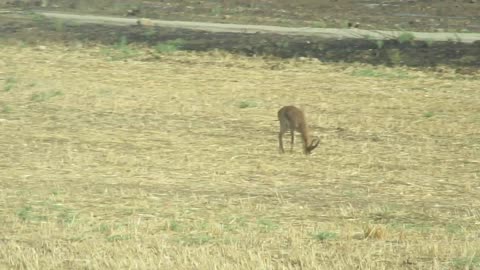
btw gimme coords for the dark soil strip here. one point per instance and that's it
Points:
(389, 52)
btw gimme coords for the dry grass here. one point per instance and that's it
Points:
(171, 162)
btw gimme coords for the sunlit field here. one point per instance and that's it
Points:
(135, 159)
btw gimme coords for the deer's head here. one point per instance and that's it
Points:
(313, 144)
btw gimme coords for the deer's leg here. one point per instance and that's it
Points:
(280, 141)
(283, 128)
(292, 140)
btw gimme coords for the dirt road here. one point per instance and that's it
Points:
(238, 28)
(325, 44)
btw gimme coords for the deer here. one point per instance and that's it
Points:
(293, 119)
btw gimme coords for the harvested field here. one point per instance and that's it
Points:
(170, 161)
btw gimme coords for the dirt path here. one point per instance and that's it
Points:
(325, 44)
(238, 28)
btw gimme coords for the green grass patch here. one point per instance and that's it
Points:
(395, 56)
(149, 32)
(59, 25)
(122, 50)
(267, 225)
(48, 208)
(455, 229)
(44, 96)
(234, 223)
(10, 83)
(118, 237)
(29, 214)
(367, 72)
(428, 114)
(5, 108)
(319, 24)
(406, 37)
(195, 239)
(247, 104)
(170, 46)
(217, 11)
(322, 236)
(471, 262)
(173, 225)
(418, 227)
(380, 44)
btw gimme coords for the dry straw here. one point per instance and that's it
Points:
(171, 161)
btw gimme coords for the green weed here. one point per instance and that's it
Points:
(118, 237)
(247, 104)
(428, 114)
(406, 37)
(9, 84)
(27, 213)
(217, 11)
(472, 262)
(121, 50)
(195, 239)
(267, 225)
(429, 42)
(322, 236)
(149, 32)
(423, 228)
(5, 108)
(38, 18)
(235, 223)
(59, 25)
(172, 225)
(44, 96)
(170, 46)
(319, 24)
(395, 56)
(380, 44)
(400, 74)
(455, 229)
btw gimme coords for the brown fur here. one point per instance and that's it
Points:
(293, 119)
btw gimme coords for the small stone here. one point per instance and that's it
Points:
(132, 12)
(145, 22)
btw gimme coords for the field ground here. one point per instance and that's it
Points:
(170, 160)
(417, 15)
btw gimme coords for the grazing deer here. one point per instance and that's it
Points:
(293, 119)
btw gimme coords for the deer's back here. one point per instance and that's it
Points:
(292, 117)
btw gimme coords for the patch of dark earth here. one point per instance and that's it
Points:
(465, 57)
